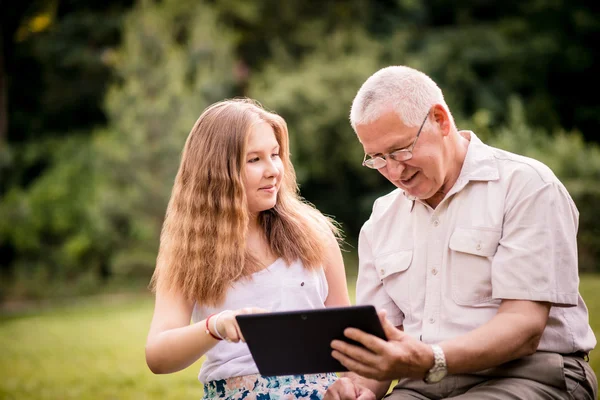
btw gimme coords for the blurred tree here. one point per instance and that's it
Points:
(47, 226)
(53, 75)
(98, 209)
(483, 52)
(314, 94)
(175, 60)
(52, 79)
(84, 184)
(61, 48)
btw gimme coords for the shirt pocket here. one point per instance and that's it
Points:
(470, 262)
(392, 270)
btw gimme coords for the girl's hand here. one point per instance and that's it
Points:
(226, 326)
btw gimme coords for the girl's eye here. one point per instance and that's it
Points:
(253, 160)
(275, 155)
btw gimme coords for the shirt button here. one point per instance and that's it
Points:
(436, 222)
(478, 247)
(431, 320)
(382, 271)
(434, 271)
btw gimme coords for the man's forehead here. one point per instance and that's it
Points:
(384, 134)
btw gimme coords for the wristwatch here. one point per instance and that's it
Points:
(439, 369)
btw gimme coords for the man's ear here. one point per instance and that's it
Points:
(441, 118)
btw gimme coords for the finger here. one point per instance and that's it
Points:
(356, 352)
(382, 314)
(342, 389)
(346, 389)
(366, 394)
(332, 392)
(371, 342)
(230, 329)
(242, 311)
(251, 310)
(354, 365)
(388, 328)
(239, 331)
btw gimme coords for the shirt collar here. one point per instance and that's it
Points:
(479, 165)
(412, 199)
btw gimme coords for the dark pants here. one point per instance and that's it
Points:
(542, 375)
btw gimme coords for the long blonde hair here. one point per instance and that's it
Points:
(203, 239)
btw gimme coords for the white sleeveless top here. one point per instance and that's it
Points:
(276, 288)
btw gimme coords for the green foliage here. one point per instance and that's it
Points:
(84, 190)
(48, 225)
(174, 61)
(314, 95)
(55, 55)
(481, 53)
(99, 205)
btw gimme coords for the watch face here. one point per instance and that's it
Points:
(436, 376)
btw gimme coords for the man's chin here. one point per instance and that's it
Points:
(414, 193)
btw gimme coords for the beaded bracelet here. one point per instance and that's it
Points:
(208, 332)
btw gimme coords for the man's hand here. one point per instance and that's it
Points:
(401, 356)
(346, 389)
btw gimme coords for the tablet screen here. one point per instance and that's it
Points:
(299, 342)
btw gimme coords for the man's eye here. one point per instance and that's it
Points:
(397, 152)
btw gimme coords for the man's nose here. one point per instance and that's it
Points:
(395, 169)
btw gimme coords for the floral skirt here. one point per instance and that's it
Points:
(258, 387)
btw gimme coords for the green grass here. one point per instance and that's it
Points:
(94, 349)
(88, 351)
(590, 291)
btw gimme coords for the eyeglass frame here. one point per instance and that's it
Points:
(407, 150)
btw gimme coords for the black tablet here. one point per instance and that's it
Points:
(299, 342)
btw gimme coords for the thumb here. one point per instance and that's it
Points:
(389, 329)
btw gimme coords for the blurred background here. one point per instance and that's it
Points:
(97, 98)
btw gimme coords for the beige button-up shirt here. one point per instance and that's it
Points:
(506, 230)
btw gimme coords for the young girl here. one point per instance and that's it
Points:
(238, 239)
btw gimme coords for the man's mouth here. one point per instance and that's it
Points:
(411, 179)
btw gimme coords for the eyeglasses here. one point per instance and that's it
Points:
(398, 155)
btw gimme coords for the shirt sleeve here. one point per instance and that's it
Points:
(369, 288)
(537, 254)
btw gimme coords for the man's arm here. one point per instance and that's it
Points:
(514, 332)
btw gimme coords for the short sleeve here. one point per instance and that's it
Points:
(537, 253)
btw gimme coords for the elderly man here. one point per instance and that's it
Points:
(472, 262)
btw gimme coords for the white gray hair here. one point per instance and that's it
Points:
(408, 92)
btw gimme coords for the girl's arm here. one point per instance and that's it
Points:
(173, 344)
(336, 276)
